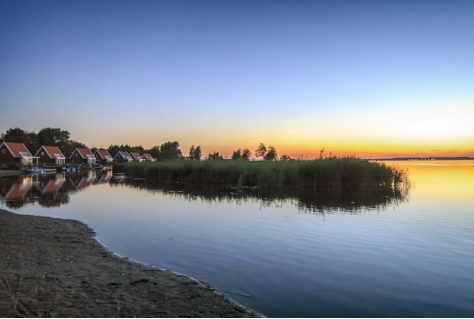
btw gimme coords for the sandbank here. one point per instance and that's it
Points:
(55, 268)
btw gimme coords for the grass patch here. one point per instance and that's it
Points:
(333, 173)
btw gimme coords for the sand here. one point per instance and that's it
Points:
(55, 268)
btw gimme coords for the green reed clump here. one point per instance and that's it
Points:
(338, 173)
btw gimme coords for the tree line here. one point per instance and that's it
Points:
(166, 151)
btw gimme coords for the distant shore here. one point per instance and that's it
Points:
(55, 268)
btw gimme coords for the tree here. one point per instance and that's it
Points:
(195, 153)
(70, 146)
(113, 150)
(53, 137)
(215, 156)
(285, 158)
(170, 150)
(154, 152)
(236, 155)
(261, 150)
(16, 135)
(271, 154)
(246, 154)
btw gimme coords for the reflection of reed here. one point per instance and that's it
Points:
(345, 197)
(345, 184)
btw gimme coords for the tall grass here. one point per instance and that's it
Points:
(333, 173)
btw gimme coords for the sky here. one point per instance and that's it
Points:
(364, 78)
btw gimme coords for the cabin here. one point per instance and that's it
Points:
(16, 153)
(50, 156)
(123, 156)
(82, 156)
(137, 157)
(148, 157)
(103, 156)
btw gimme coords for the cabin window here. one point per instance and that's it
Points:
(4, 151)
(75, 155)
(42, 153)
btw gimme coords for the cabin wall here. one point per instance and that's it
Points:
(6, 157)
(76, 158)
(119, 159)
(44, 158)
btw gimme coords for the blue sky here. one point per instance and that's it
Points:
(354, 77)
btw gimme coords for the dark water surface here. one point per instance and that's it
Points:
(370, 255)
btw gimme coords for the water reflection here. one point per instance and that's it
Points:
(350, 198)
(54, 190)
(48, 190)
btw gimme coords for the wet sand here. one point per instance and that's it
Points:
(55, 268)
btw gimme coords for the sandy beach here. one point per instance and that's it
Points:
(55, 268)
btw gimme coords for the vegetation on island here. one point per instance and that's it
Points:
(327, 173)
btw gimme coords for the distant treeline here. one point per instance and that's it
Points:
(166, 151)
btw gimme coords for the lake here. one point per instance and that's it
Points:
(371, 255)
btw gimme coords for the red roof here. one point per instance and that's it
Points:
(52, 151)
(16, 149)
(84, 152)
(103, 153)
(136, 155)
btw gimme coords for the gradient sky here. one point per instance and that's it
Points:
(370, 78)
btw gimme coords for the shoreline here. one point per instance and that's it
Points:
(52, 267)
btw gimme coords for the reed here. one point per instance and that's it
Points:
(333, 173)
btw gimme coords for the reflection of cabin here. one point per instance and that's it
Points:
(103, 156)
(123, 156)
(82, 156)
(16, 153)
(81, 181)
(148, 157)
(104, 178)
(52, 186)
(137, 157)
(50, 155)
(18, 190)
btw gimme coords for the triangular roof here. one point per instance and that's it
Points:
(52, 151)
(148, 156)
(136, 155)
(102, 153)
(84, 152)
(17, 149)
(124, 154)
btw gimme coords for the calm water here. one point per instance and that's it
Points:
(382, 257)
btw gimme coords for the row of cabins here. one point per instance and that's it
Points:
(52, 155)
